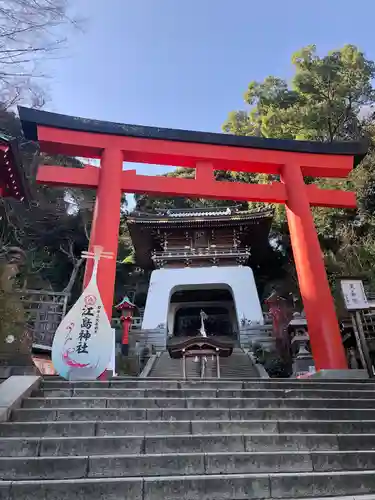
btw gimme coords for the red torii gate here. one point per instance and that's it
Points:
(116, 143)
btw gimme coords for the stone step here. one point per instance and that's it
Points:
(171, 427)
(205, 393)
(66, 414)
(180, 464)
(213, 384)
(238, 365)
(340, 497)
(166, 367)
(339, 379)
(226, 439)
(184, 443)
(203, 487)
(223, 403)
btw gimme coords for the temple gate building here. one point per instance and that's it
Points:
(202, 260)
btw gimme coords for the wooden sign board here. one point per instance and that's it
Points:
(354, 294)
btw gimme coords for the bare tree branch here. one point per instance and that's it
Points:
(31, 31)
(73, 275)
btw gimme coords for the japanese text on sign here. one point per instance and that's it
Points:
(85, 332)
(354, 295)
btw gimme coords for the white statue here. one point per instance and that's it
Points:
(202, 330)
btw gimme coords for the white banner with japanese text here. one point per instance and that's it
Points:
(83, 344)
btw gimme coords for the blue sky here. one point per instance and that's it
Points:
(186, 63)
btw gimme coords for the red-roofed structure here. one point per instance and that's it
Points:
(13, 183)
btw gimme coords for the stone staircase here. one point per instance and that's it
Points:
(166, 367)
(238, 366)
(150, 439)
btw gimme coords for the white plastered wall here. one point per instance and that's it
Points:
(240, 280)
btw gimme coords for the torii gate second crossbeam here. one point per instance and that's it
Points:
(115, 144)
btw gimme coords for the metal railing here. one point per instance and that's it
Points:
(202, 355)
(199, 253)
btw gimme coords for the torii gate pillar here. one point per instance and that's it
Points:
(325, 340)
(105, 224)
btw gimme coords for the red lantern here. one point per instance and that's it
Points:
(127, 309)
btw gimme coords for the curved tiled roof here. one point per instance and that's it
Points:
(198, 213)
(143, 226)
(207, 215)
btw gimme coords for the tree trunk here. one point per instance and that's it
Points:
(73, 276)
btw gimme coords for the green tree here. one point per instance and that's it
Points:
(52, 229)
(146, 203)
(324, 102)
(329, 98)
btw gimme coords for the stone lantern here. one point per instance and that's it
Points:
(302, 359)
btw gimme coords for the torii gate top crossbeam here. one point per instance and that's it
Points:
(62, 134)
